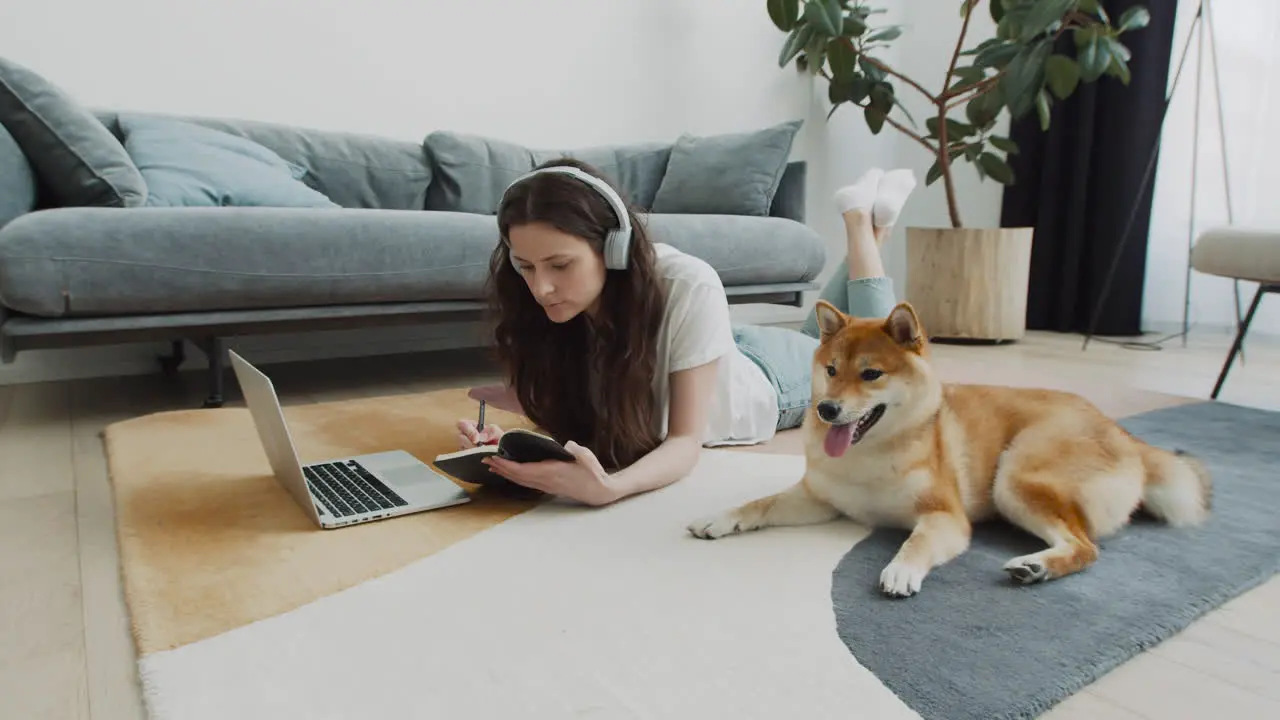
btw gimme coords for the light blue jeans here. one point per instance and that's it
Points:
(786, 356)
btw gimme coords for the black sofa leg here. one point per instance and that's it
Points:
(1240, 333)
(213, 352)
(170, 363)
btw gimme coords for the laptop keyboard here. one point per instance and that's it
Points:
(347, 488)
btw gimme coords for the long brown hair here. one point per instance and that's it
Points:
(589, 379)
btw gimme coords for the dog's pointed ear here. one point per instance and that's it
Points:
(830, 319)
(903, 325)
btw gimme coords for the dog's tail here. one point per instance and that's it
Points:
(1178, 487)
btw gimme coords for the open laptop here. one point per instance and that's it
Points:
(341, 491)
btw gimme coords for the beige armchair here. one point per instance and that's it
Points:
(1240, 254)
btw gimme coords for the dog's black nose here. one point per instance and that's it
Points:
(828, 410)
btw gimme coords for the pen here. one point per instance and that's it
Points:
(480, 425)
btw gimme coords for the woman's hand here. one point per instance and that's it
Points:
(469, 436)
(584, 480)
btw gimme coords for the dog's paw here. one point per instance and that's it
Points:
(1027, 570)
(901, 580)
(717, 526)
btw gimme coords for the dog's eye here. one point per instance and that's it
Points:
(871, 374)
(831, 371)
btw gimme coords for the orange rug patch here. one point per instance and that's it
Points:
(209, 541)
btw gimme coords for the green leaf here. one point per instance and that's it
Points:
(989, 42)
(815, 53)
(996, 168)
(1039, 17)
(956, 130)
(1089, 6)
(853, 26)
(837, 92)
(1119, 55)
(1091, 56)
(795, 42)
(1004, 144)
(882, 97)
(875, 119)
(1062, 74)
(872, 71)
(891, 32)
(934, 174)
(843, 59)
(1118, 48)
(853, 90)
(935, 171)
(984, 110)
(997, 10)
(859, 89)
(784, 13)
(997, 56)
(1043, 109)
(968, 76)
(905, 111)
(1135, 18)
(825, 16)
(1024, 77)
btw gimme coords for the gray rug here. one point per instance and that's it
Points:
(974, 645)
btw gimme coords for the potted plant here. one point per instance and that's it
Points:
(965, 282)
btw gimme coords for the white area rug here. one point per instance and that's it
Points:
(561, 612)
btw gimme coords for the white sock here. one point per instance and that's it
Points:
(892, 194)
(861, 195)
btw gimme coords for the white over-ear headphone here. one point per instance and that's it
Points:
(617, 244)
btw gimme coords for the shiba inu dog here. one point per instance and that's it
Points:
(889, 445)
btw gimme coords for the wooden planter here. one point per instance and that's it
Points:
(971, 283)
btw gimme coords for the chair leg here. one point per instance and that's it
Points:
(1239, 322)
(1235, 345)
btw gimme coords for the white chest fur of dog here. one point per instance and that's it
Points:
(888, 445)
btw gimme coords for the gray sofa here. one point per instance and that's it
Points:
(408, 240)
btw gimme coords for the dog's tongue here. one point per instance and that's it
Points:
(839, 437)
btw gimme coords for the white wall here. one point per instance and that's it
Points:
(506, 68)
(1246, 32)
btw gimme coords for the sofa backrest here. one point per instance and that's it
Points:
(17, 180)
(726, 174)
(365, 171)
(354, 170)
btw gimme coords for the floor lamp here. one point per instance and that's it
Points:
(1200, 24)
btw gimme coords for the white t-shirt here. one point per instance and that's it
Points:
(696, 329)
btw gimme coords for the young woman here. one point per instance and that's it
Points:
(623, 350)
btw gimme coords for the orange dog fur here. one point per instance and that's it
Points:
(889, 445)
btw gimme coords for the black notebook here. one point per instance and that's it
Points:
(516, 445)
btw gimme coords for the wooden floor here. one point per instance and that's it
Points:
(65, 650)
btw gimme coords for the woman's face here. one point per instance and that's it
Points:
(564, 273)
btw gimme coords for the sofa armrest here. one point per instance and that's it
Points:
(17, 180)
(788, 201)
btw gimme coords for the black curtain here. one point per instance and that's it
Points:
(1078, 183)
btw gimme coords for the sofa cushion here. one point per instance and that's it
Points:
(744, 250)
(188, 165)
(731, 174)
(77, 262)
(351, 169)
(17, 182)
(74, 156)
(472, 172)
